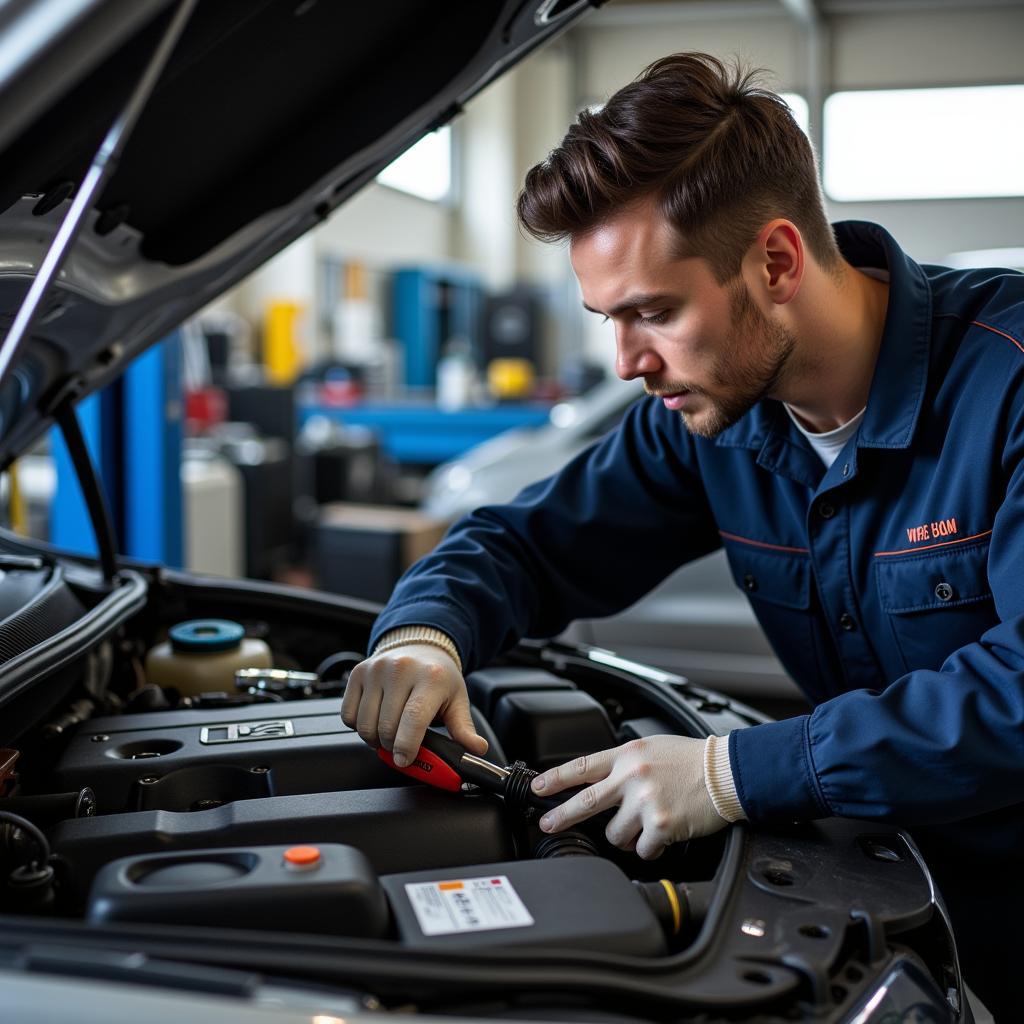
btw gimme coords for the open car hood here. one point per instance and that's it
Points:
(267, 115)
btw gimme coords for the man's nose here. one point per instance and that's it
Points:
(633, 356)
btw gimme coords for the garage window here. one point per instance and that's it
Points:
(425, 170)
(924, 143)
(798, 105)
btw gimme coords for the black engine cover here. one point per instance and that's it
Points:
(195, 760)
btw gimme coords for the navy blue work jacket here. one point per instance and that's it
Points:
(891, 585)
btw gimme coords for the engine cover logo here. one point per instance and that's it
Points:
(245, 732)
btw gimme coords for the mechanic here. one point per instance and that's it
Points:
(848, 423)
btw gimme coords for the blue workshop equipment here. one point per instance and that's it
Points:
(431, 306)
(417, 432)
(133, 430)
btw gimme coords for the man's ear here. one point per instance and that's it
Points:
(776, 259)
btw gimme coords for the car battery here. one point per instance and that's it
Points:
(327, 888)
(547, 728)
(570, 903)
(488, 686)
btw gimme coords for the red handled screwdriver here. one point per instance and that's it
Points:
(443, 763)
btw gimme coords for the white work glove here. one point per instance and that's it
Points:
(656, 782)
(392, 697)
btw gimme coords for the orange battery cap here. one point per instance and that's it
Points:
(302, 856)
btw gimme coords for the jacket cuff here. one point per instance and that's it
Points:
(405, 635)
(774, 774)
(719, 781)
(433, 614)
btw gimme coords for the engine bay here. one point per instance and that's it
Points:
(189, 804)
(222, 795)
(228, 817)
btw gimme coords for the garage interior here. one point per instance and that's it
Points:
(325, 420)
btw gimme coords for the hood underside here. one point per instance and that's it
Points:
(268, 115)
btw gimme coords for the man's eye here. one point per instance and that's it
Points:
(654, 318)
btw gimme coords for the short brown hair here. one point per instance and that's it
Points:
(721, 155)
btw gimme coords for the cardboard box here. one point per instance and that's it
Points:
(362, 550)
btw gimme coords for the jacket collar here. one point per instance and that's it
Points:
(901, 373)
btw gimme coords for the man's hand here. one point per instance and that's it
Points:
(656, 782)
(392, 698)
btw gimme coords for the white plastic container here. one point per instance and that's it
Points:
(202, 655)
(456, 377)
(213, 512)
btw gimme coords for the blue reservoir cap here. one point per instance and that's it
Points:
(206, 636)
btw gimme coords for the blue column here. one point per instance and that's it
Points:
(133, 430)
(416, 325)
(152, 416)
(70, 527)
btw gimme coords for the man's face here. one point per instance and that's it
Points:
(704, 348)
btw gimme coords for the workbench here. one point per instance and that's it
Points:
(421, 433)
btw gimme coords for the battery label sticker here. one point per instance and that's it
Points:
(467, 905)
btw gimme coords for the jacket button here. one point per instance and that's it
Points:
(846, 469)
(749, 582)
(826, 511)
(944, 592)
(847, 621)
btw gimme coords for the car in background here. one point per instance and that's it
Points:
(696, 623)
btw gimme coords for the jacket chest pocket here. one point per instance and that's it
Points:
(936, 602)
(779, 588)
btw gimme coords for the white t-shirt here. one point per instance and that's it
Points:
(829, 444)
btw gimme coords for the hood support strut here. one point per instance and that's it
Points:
(103, 165)
(92, 491)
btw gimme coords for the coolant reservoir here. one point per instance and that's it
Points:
(203, 655)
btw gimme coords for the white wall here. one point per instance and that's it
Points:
(484, 230)
(932, 229)
(972, 46)
(611, 57)
(545, 104)
(380, 225)
(546, 86)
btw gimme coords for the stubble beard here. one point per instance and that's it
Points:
(762, 350)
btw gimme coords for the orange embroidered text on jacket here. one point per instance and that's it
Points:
(928, 531)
